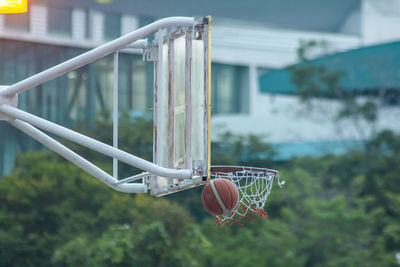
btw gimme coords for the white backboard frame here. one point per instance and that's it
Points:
(182, 67)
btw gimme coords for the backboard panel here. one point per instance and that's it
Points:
(181, 106)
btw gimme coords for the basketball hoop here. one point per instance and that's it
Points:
(182, 129)
(254, 186)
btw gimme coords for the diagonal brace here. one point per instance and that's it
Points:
(94, 144)
(77, 159)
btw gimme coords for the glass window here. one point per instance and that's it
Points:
(59, 21)
(136, 83)
(139, 79)
(17, 22)
(112, 26)
(229, 89)
(77, 94)
(104, 77)
(88, 25)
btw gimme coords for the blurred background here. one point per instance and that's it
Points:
(311, 88)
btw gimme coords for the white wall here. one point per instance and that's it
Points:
(38, 20)
(284, 119)
(254, 44)
(380, 21)
(128, 24)
(78, 21)
(96, 26)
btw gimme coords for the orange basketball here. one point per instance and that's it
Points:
(220, 197)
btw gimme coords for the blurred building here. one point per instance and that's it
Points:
(249, 39)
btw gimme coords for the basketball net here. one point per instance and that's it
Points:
(254, 186)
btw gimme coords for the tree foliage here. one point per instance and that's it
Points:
(54, 213)
(333, 211)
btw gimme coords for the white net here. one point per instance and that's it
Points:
(254, 186)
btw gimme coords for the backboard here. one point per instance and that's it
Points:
(182, 68)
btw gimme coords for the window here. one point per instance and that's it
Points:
(105, 79)
(112, 26)
(17, 22)
(88, 25)
(139, 88)
(59, 21)
(136, 84)
(229, 89)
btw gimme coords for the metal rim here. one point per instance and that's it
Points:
(233, 169)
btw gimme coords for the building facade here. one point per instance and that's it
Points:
(245, 44)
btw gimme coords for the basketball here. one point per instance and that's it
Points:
(220, 197)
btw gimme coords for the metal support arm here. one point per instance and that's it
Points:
(24, 120)
(94, 144)
(78, 160)
(95, 54)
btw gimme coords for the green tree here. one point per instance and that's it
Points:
(51, 210)
(333, 211)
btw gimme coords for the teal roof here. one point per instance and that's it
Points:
(288, 151)
(372, 67)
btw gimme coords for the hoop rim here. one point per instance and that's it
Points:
(218, 169)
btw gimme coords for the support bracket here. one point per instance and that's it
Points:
(9, 100)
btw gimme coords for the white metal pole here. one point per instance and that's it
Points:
(78, 160)
(94, 144)
(115, 115)
(134, 178)
(96, 53)
(139, 44)
(160, 97)
(188, 100)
